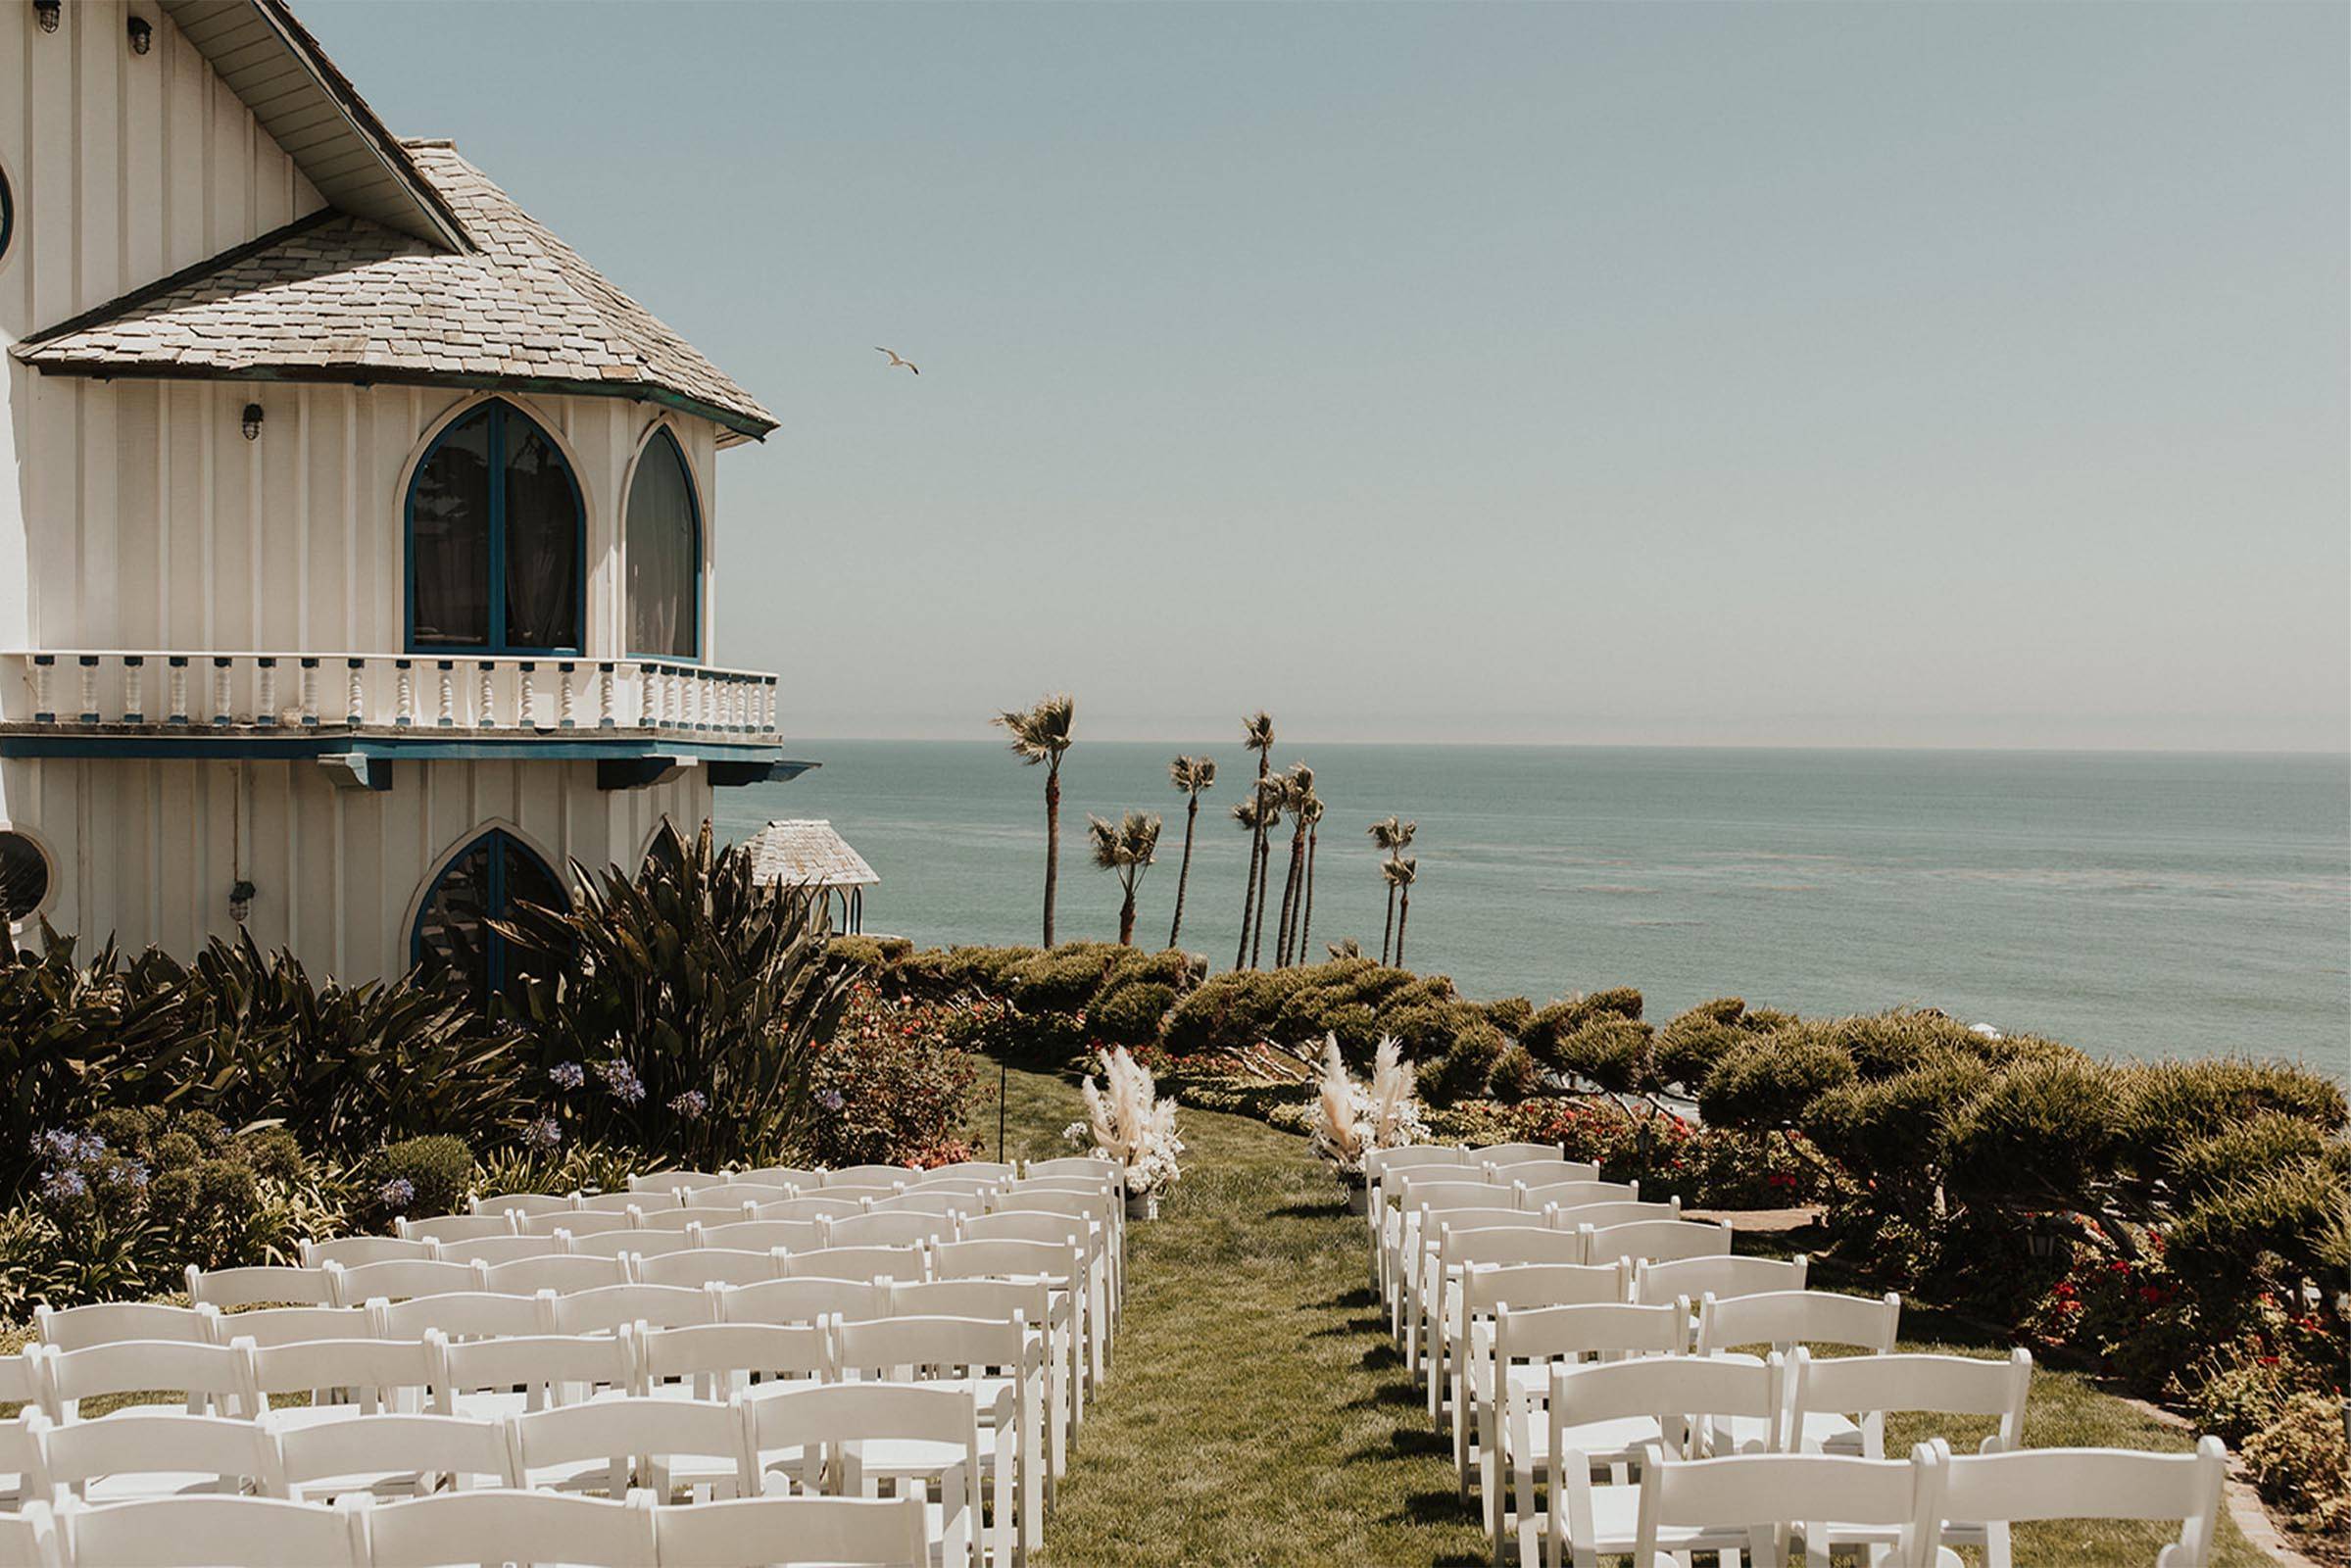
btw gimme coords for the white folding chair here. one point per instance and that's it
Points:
(77, 1328)
(884, 1532)
(458, 1315)
(871, 1176)
(627, 1240)
(212, 1376)
(454, 1227)
(1379, 1164)
(23, 1471)
(1751, 1501)
(707, 1265)
(149, 1453)
(719, 1360)
(1493, 1156)
(933, 1197)
(855, 1438)
(485, 1379)
(1607, 1211)
(1061, 1230)
(1484, 1288)
(2036, 1484)
(690, 1215)
(1049, 1310)
(1567, 1193)
(609, 1309)
(1786, 1320)
(792, 1302)
(1101, 1207)
(341, 1378)
(858, 1264)
(525, 1205)
(1419, 1193)
(30, 1538)
(670, 1181)
(1429, 1213)
(864, 1193)
(224, 1288)
(798, 1176)
(291, 1325)
(575, 1222)
(1528, 1344)
(808, 1210)
(399, 1279)
(1431, 1318)
(1060, 1266)
(1108, 1170)
(901, 1229)
(1721, 1277)
(1547, 1173)
(563, 1273)
(510, 1527)
(628, 1198)
(1002, 1365)
(492, 1250)
(1682, 1400)
(1650, 1240)
(668, 1447)
(205, 1532)
(989, 1170)
(353, 1250)
(728, 1193)
(390, 1454)
(762, 1235)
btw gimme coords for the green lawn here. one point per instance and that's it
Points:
(1256, 1413)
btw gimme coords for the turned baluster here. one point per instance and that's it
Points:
(221, 702)
(448, 669)
(483, 718)
(605, 718)
(176, 686)
(134, 689)
(44, 706)
(407, 696)
(357, 702)
(264, 708)
(563, 711)
(525, 699)
(310, 694)
(90, 688)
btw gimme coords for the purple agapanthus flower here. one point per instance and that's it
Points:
(64, 1186)
(691, 1104)
(566, 1075)
(130, 1173)
(621, 1080)
(398, 1193)
(831, 1098)
(543, 1133)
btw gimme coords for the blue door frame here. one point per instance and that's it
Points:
(494, 901)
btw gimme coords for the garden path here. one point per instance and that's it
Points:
(1256, 1413)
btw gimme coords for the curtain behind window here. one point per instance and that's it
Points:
(663, 555)
(450, 538)
(542, 542)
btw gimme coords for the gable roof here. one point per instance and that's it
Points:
(807, 851)
(340, 297)
(311, 109)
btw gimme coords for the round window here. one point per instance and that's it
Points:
(23, 876)
(8, 214)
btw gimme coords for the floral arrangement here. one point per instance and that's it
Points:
(1127, 1121)
(1349, 1120)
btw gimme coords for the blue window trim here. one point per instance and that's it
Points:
(497, 411)
(662, 432)
(494, 953)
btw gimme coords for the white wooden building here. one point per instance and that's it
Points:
(808, 852)
(357, 539)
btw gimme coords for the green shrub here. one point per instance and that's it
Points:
(1509, 1015)
(2236, 1393)
(1064, 979)
(1515, 1075)
(1694, 1039)
(1462, 1068)
(2172, 1104)
(1610, 1050)
(693, 995)
(2243, 1152)
(2044, 1131)
(1768, 1080)
(1889, 1132)
(1130, 1014)
(2294, 1218)
(1884, 1043)
(2301, 1463)
(438, 1171)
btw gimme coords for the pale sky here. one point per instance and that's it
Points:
(1921, 374)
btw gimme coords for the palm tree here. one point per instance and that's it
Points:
(1400, 874)
(1272, 796)
(1041, 734)
(1257, 734)
(1297, 788)
(1393, 834)
(1306, 923)
(1127, 847)
(1191, 774)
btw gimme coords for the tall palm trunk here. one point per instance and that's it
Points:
(1387, 931)
(1257, 940)
(1306, 920)
(1053, 843)
(1183, 875)
(1292, 884)
(1126, 918)
(1403, 914)
(1248, 901)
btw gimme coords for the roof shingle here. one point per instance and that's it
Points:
(807, 851)
(334, 297)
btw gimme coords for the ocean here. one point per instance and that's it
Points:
(2131, 904)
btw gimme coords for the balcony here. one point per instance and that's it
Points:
(638, 719)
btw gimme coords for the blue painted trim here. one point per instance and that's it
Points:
(496, 411)
(661, 432)
(425, 746)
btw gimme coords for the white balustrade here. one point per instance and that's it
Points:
(381, 692)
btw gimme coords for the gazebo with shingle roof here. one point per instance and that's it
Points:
(805, 852)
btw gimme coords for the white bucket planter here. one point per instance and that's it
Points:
(1358, 1196)
(1143, 1206)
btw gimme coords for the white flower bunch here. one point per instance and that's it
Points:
(1349, 1119)
(1126, 1121)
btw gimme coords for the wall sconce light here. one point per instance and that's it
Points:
(253, 421)
(142, 35)
(48, 13)
(240, 900)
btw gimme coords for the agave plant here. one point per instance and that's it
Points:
(693, 995)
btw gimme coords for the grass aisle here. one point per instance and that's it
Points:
(1256, 1413)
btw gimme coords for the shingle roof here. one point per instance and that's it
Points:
(338, 298)
(808, 852)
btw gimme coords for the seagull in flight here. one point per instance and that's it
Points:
(895, 361)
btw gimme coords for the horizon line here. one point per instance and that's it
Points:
(2341, 754)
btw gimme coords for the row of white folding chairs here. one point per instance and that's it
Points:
(1598, 1234)
(1695, 1492)
(471, 1527)
(1041, 1279)
(1466, 1163)
(642, 1372)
